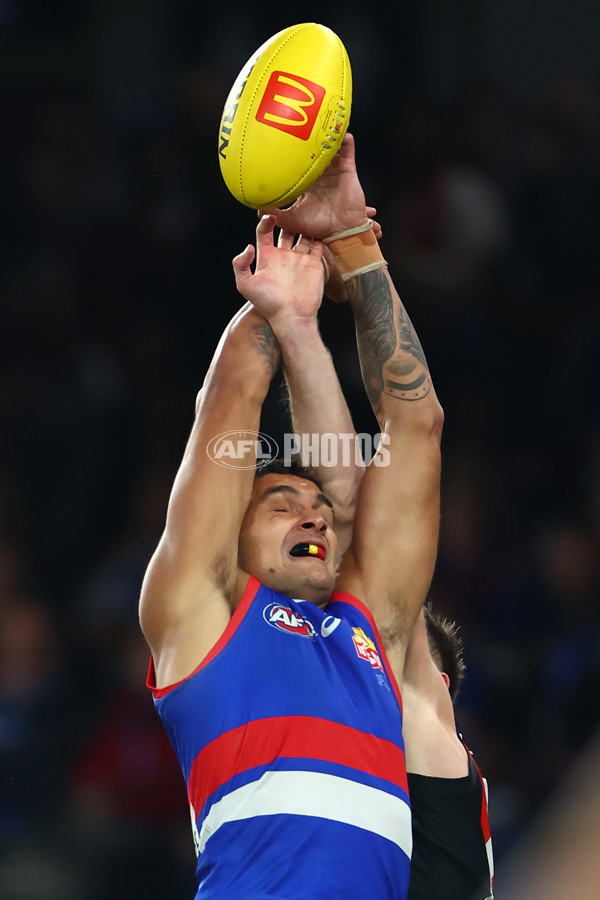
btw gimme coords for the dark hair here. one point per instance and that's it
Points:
(280, 466)
(446, 646)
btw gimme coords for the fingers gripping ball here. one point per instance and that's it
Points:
(285, 116)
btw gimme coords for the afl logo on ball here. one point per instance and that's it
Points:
(285, 619)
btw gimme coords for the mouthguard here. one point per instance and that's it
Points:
(308, 550)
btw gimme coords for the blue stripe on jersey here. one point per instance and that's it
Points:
(243, 861)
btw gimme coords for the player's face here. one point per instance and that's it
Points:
(287, 539)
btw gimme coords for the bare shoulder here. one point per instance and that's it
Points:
(433, 747)
(199, 613)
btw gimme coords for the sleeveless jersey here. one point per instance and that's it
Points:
(452, 847)
(289, 737)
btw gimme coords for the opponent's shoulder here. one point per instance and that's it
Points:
(432, 745)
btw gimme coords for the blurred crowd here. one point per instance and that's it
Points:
(116, 238)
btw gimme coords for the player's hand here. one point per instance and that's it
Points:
(287, 284)
(334, 203)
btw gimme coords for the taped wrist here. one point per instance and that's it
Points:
(356, 251)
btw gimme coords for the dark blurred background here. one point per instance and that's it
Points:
(478, 140)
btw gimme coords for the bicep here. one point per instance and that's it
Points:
(394, 546)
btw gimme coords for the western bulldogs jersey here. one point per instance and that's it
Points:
(289, 736)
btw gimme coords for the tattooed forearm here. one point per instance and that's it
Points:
(265, 344)
(408, 369)
(391, 355)
(372, 304)
(408, 338)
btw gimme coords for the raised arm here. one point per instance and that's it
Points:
(317, 403)
(322, 422)
(392, 557)
(193, 583)
(397, 523)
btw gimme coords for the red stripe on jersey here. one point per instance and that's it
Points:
(260, 742)
(485, 819)
(342, 597)
(241, 609)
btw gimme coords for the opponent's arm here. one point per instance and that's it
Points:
(193, 583)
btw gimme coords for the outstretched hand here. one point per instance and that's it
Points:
(334, 203)
(287, 284)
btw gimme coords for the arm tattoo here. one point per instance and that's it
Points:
(408, 338)
(411, 380)
(265, 344)
(384, 345)
(371, 301)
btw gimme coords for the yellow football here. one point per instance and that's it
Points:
(285, 116)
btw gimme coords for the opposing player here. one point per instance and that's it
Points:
(452, 856)
(452, 850)
(269, 668)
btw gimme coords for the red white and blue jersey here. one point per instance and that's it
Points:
(289, 736)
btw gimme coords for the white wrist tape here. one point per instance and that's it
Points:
(349, 232)
(362, 270)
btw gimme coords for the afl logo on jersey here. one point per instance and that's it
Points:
(285, 619)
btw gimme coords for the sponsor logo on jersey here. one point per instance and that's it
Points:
(285, 619)
(366, 649)
(328, 625)
(291, 103)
